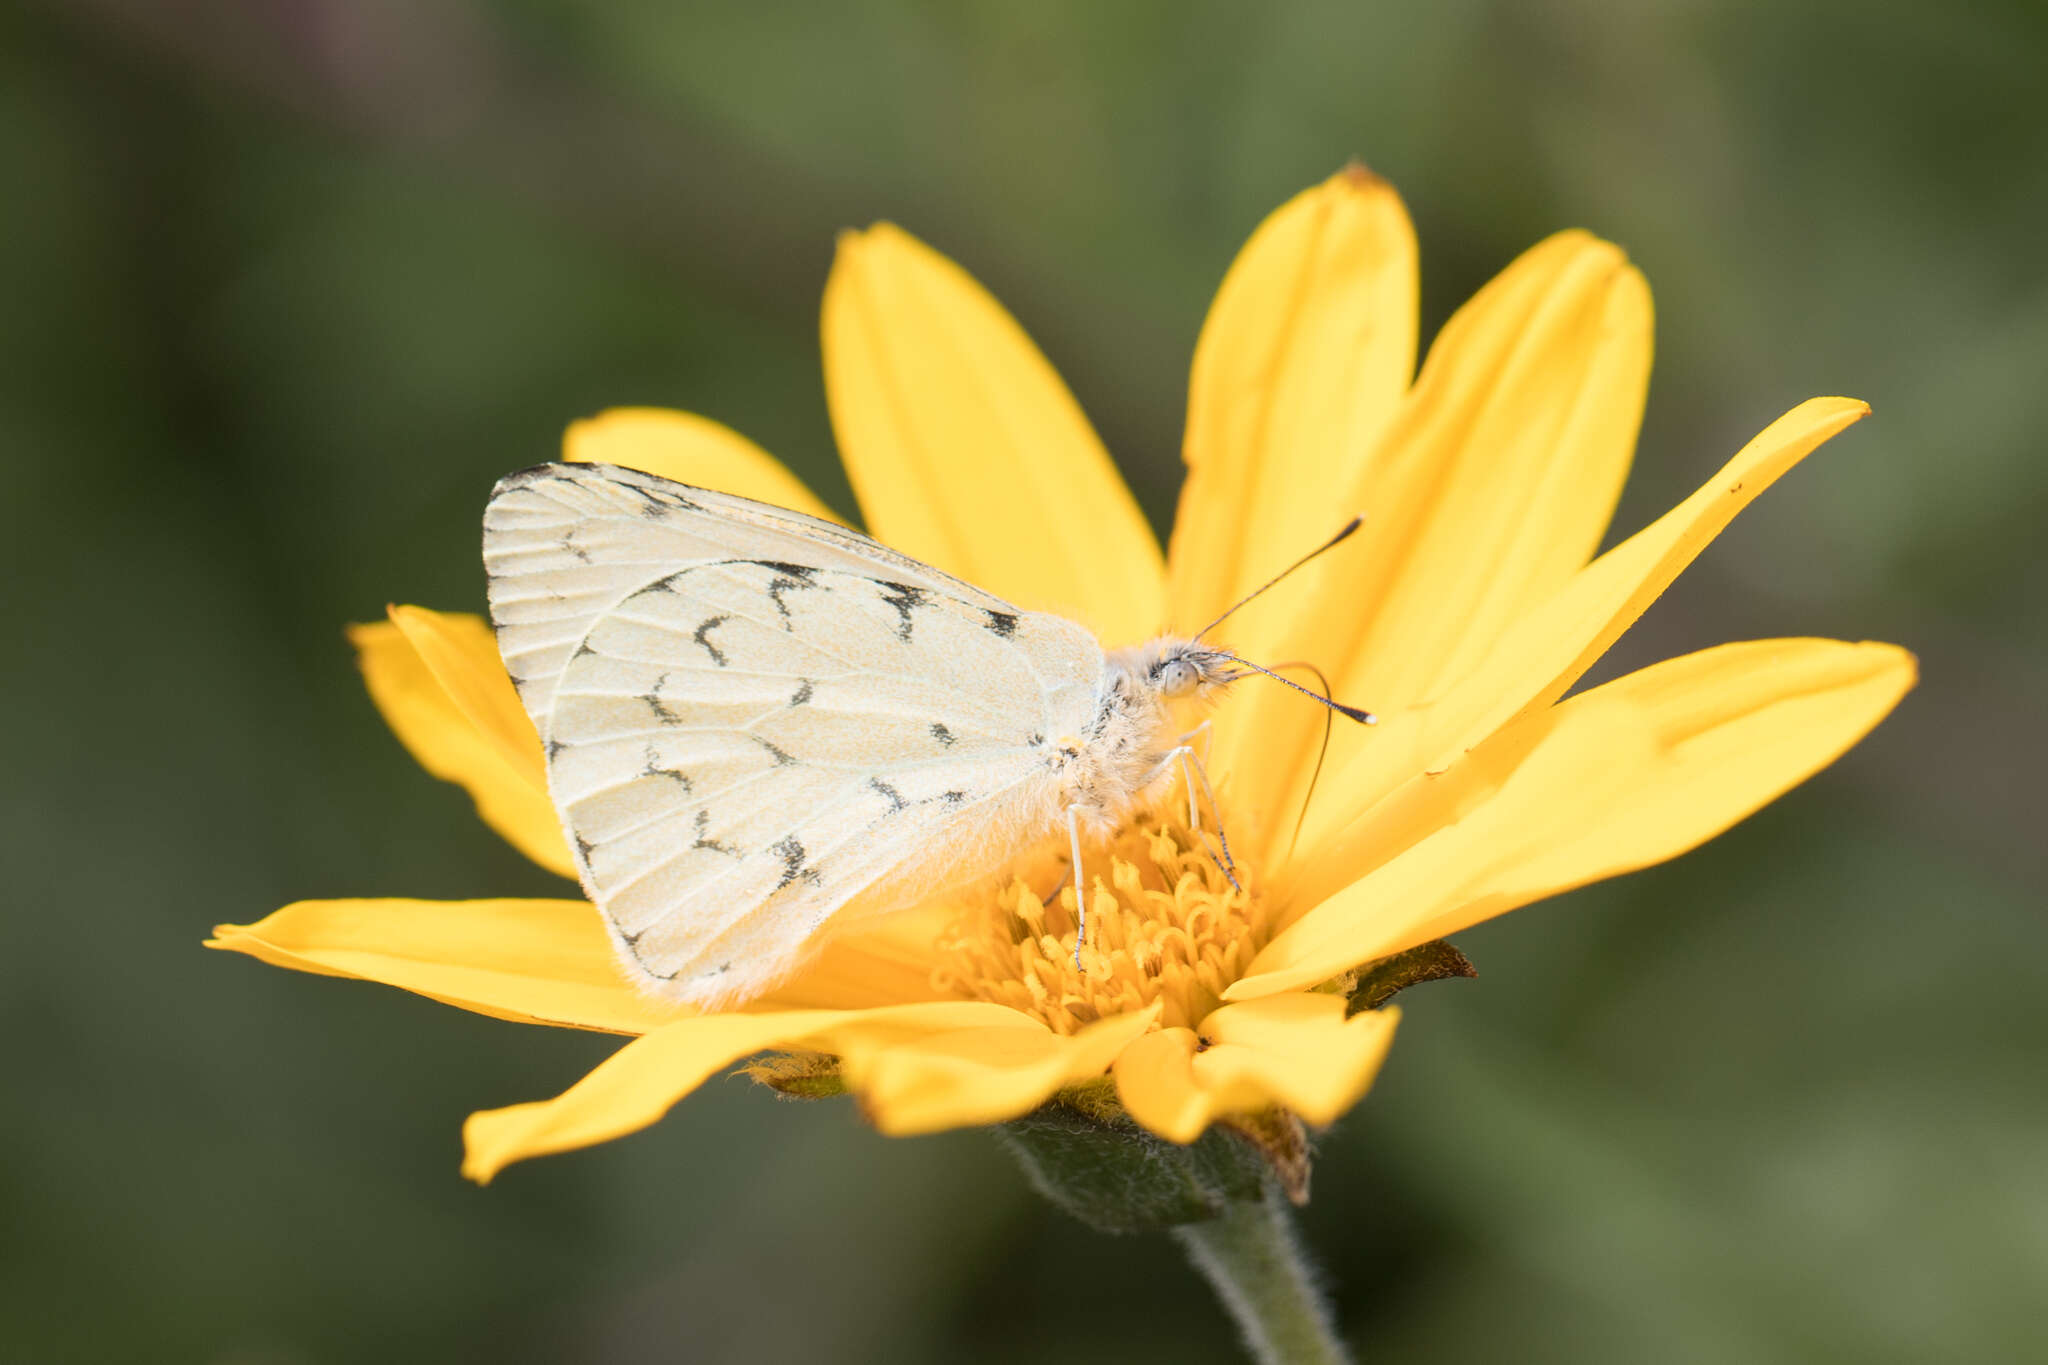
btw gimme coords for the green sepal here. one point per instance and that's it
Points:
(1082, 1153)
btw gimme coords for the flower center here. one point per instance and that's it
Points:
(1164, 923)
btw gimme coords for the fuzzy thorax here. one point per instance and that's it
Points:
(1164, 924)
(1148, 692)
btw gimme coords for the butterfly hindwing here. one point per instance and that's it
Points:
(754, 718)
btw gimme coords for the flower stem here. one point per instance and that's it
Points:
(1251, 1258)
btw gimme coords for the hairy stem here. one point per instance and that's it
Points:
(1252, 1259)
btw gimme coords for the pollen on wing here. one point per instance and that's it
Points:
(1164, 923)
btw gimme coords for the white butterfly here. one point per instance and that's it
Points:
(760, 725)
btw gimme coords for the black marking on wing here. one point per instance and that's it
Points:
(1037, 738)
(782, 757)
(554, 747)
(788, 578)
(653, 768)
(533, 473)
(791, 850)
(942, 734)
(803, 692)
(583, 647)
(583, 848)
(896, 801)
(704, 839)
(806, 572)
(776, 588)
(1003, 623)
(953, 798)
(652, 696)
(568, 543)
(702, 634)
(655, 505)
(905, 598)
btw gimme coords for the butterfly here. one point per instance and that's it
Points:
(762, 728)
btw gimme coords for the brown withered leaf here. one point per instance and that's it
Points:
(1383, 980)
(798, 1075)
(1283, 1141)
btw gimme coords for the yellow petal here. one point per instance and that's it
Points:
(1506, 461)
(462, 654)
(982, 1075)
(689, 449)
(640, 1082)
(532, 961)
(888, 961)
(1493, 485)
(1615, 779)
(1542, 654)
(1297, 1051)
(1155, 1080)
(1303, 359)
(438, 681)
(965, 448)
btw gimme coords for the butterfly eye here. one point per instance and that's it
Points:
(1176, 677)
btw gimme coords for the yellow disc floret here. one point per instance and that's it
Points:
(1165, 923)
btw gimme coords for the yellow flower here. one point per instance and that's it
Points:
(1463, 615)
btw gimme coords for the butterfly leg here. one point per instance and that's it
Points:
(1198, 773)
(1181, 754)
(1080, 886)
(1206, 733)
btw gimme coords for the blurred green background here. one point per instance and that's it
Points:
(287, 285)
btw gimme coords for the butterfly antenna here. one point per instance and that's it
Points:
(1331, 543)
(1357, 713)
(1301, 816)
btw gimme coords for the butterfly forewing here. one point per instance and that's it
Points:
(756, 721)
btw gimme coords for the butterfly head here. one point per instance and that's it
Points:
(1182, 669)
(1175, 669)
